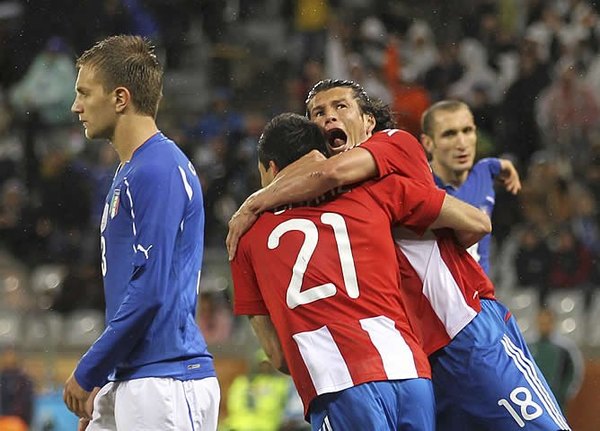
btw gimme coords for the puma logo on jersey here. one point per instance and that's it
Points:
(144, 250)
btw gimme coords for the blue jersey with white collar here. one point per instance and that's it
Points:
(152, 234)
(478, 190)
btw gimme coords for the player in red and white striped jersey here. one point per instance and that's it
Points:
(325, 277)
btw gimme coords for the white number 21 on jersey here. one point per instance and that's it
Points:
(294, 296)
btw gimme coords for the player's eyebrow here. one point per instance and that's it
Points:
(341, 99)
(449, 132)
(331, 102)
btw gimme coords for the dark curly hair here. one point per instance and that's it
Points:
(380, 111)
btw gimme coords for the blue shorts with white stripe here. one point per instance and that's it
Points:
(486, 379)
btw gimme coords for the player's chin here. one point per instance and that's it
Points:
(93, 134)
(339, 149)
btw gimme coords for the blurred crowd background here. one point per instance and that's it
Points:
(529, 70)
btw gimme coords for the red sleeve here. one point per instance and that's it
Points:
(247, 298)
(399, 152)
(413, 204)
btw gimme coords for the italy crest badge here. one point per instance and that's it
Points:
(114, 203)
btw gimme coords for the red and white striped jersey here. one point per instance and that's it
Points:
(328, 278)
(442, 283)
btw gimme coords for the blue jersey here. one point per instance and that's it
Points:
(152, 232)
(478, 190)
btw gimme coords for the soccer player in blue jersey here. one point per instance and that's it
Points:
(151, 362)
(450, 137)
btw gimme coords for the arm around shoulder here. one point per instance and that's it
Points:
(307, 178)
(469, 223)
(350, 167)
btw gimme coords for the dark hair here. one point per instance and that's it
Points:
(428, 117)
(287, 137)
(379, 110)
(130, 62)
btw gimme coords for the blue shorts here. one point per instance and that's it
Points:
(406, 405)
(486, 379)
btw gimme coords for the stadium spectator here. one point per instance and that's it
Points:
(45, 89)
(215, 317)
(256, 401)
(478, 74)
(17, 220)
(569, 114)
(409, 98)
(558, 357)
(533, 260)
(446, 71)
(16, 387)
(520, 131)
(573, 265)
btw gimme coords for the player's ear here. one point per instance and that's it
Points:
(122, 99)
(273, 167)
(427, 143)
(369, 123)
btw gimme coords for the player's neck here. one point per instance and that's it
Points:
(453, 178)
(131, 133)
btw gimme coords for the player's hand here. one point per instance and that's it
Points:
(89, 408)
(75, 397)
(240, 222)
(82, 424)
(509, 176)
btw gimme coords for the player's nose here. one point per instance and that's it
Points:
(75, 107)
(461, 140)
(330, 116)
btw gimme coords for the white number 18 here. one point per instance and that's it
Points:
(524, 403)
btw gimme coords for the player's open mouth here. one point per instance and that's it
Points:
(336, 138)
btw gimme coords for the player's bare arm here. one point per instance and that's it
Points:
(509, 176)
(267, 336)
(305, 179)
(469, 223)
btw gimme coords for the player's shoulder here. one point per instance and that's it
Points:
(258, 233)
(394, 135)
(400, 139)
(487, 164)
(158, 159)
